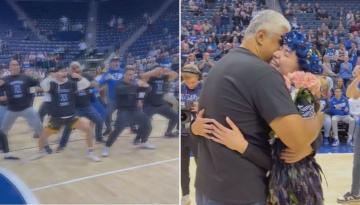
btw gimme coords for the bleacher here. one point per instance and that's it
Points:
(309, 20)
(170, 21)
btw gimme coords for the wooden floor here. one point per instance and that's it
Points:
(130, 175)
(337, 169)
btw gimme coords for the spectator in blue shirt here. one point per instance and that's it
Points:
(346, 69)
(110, 79)
(339, 110)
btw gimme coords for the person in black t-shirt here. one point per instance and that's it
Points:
(83, 109)
(18, 88)
(244, 88)
(154, 102)
(62, 109)
(128, 93)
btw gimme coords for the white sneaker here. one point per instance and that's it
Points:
(147, 145)
(92, 156)
(105, 152)
(185, 200)
(38, 155)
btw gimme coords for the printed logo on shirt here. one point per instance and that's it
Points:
(159, 87)
(16, 88)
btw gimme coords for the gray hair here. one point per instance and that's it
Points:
(268, 20)
(75, 63)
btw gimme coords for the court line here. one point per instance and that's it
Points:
(20, 186)
(55, 142)
(103, 174)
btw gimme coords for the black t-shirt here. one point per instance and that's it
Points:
(83, 97)
(63, 99)
(128, 95)
(252, 94)
(159, 87)
(17, 89)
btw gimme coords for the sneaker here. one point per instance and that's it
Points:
(38, 155)
(147, 145)
(59, 149)
(171, 135)
(100, 141)
(348, 197)
(105, 152)
(107, 132)
(185, 200)
(48, 149)
(335, 143)
(92, 156)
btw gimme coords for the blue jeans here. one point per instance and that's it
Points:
(100, 108)
(201, 199)
(91, 114)
(355, 187)
(2, 113)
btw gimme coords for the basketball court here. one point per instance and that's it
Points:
(337, 168)
(128, 175)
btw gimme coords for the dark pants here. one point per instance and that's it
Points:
(126, 118)
(201, 199)
(166, 111)
(110, 108)
(188, 146)
(4, 142)
(91, 114)
(44, 110)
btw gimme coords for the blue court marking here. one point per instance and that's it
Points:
(13, 190)
(342, 148)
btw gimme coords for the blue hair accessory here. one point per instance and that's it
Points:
(308, 59)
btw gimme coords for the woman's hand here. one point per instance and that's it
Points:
(231, 138)
(290, 156)
(202, 126)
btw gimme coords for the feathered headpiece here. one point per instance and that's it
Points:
(308, 59)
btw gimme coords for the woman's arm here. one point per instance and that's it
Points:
(204, 127)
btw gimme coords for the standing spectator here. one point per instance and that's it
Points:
(346, 69)
(339, 109)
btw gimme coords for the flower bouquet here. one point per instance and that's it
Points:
(298, 183)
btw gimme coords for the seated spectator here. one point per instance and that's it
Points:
(206, 63)
(327, 67)
(206, 27)
(348, 40)
(341, 53)
(353, 54)
(339, 110)
(325, 107)
(356, 38)
(198, 27)
(335, 37)
(191, 59)
(346, 69)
